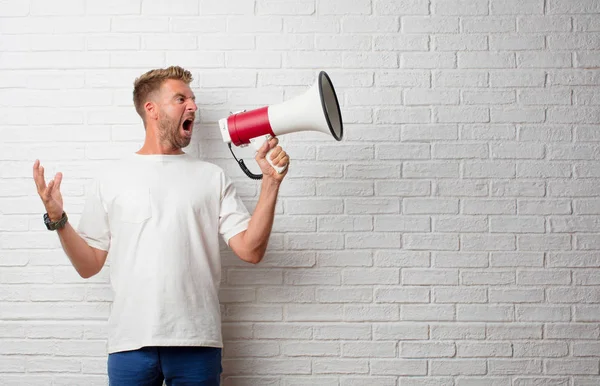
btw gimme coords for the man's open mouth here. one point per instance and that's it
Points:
(188, 124)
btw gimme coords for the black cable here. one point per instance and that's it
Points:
(243, 166)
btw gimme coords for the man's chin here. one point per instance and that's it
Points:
(184, 142)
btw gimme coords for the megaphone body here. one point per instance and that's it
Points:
(315, 110)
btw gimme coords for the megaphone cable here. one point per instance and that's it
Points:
(244, 167)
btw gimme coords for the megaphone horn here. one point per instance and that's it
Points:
(317, 109)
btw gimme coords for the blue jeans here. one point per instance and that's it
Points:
(177, 366)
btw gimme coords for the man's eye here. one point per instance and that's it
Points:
(180, 99)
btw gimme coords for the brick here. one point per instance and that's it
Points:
(405, 7)
(427, 312)
(537, 277)
(517, 78)
(431, 169)
(458, 331)
(542, 313)
(372, 276)
(483, 350)
(407, 42)
(484, 242)
(461, 114)
(439, 242)
(406, 78)
(402, 223)
(459, 295)
(486, 60)
(520, 259)
(401, 259)
(362, 60)
(369, 313)
(337, 42)
(458, 367)
(484, 313)
(516, 296)
(369, 349)
(573, 366)
(350, 295)
(269, 7)
(460, 260)
(427, 60)
(488, 97)
(343, 331)
(517, 43)
(460, 78)
(460, 224)
(584, 6)
(513, 331)
(311, 24)
(488, 24)
(429, 97)
(427, 349)
(479, 277)
(461, 188)
(415, 276)
(398, 367)
(515, 366)
(531, 24)
(377, 24)
(512, 7)
(317, 349)
(543, 60)
(585, 23)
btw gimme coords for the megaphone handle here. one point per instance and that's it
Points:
(258, 142)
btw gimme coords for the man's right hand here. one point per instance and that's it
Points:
(50, 194)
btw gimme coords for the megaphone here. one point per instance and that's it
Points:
(315, 110)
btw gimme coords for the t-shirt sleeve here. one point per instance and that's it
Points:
(234, 216)
(93, 225)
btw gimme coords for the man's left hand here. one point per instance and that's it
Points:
(278, 156)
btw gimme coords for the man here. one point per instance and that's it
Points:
(159, 215)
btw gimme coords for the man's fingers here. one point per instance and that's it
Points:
(262, 152)
(279, 160)
(36, 174)
(58, 180)
(284, 161)
(276, 152)
(48, 191)
(38, 177)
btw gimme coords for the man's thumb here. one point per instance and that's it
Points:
(262, 152)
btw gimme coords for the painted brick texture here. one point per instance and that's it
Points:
(451, 239)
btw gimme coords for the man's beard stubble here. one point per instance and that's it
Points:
(169, 133)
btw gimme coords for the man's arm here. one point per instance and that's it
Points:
(251, 244)
(87, 261)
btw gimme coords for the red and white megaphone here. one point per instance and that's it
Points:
(315, 110)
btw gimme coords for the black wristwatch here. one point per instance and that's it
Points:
(54, 225)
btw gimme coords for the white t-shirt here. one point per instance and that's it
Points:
(160, 218)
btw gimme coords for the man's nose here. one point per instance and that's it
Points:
(192, 106)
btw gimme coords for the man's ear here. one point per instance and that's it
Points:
(151, 110)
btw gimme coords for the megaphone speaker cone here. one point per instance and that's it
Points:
(331, 107)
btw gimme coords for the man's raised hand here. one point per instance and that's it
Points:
(50, 194)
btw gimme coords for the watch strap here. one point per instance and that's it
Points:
(55, 225)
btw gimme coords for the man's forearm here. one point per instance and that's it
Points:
(82, 256)
(256, 237)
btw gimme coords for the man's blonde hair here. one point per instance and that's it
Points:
(151, 82)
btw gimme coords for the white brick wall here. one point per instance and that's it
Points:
(452, 239)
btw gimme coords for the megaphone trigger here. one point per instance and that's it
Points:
(258, 143)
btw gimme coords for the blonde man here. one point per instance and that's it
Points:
(159, 214)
